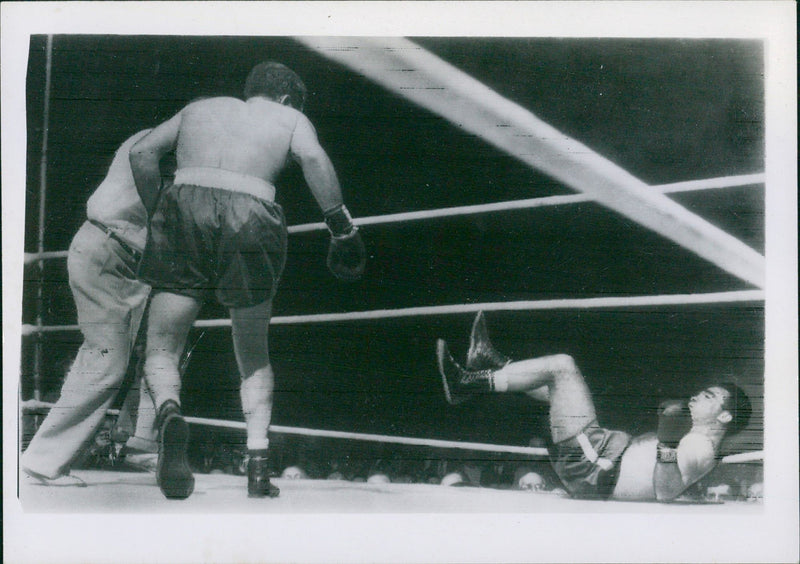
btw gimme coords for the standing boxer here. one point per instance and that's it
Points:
(591, 461)
(218, 229)
(110, 301)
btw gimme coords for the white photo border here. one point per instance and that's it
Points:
(598, 537)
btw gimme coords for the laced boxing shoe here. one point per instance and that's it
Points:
(459, 383)
(481, 354)
(258, 484)
(173, 474)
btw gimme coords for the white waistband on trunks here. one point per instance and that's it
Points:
(226, 180)
(591, 454)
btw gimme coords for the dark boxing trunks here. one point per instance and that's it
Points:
(583, 477)
(202, 240)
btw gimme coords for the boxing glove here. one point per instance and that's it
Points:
(347, 256)
(674, 421)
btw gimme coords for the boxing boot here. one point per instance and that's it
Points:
(481, 354)
(258, 484)
(459, 384)
(173, 475)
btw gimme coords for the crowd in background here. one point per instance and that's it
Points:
(300, 457)
(223, 451)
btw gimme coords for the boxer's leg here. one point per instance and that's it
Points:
(554, 378)
(251, 345)
(142, 446)
(145, 434)
(170, 319)
(571, 405)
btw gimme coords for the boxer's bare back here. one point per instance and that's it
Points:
(252, 137)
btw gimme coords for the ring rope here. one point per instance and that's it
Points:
(713, 183)
(524, 305)
(465, 102)
(34, 257)
(547, 201)
(530, 203)
(437, 443)
(536, 452)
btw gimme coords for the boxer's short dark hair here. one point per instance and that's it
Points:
(738, 405)
(273, 80)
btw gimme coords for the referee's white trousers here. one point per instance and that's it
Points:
(110, 305)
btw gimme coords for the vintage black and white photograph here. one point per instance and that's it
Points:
(342, 276)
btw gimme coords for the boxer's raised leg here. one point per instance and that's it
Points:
(557, 379)
(554, 378)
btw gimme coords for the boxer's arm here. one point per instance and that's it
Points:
(346, 252)
(317, 167)
(675, 472)
(145, 157)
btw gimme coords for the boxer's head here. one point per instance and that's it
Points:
(277, 82)
(726, 403)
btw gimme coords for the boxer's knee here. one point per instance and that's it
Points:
(563, 366)
(567, 376)
(565, 371)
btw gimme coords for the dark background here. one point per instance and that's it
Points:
(665, 110)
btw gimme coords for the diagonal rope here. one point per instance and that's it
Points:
(408, 70)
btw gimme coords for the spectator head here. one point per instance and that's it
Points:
(452, 479)
(294, 473)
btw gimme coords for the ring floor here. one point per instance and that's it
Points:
(122, 492)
